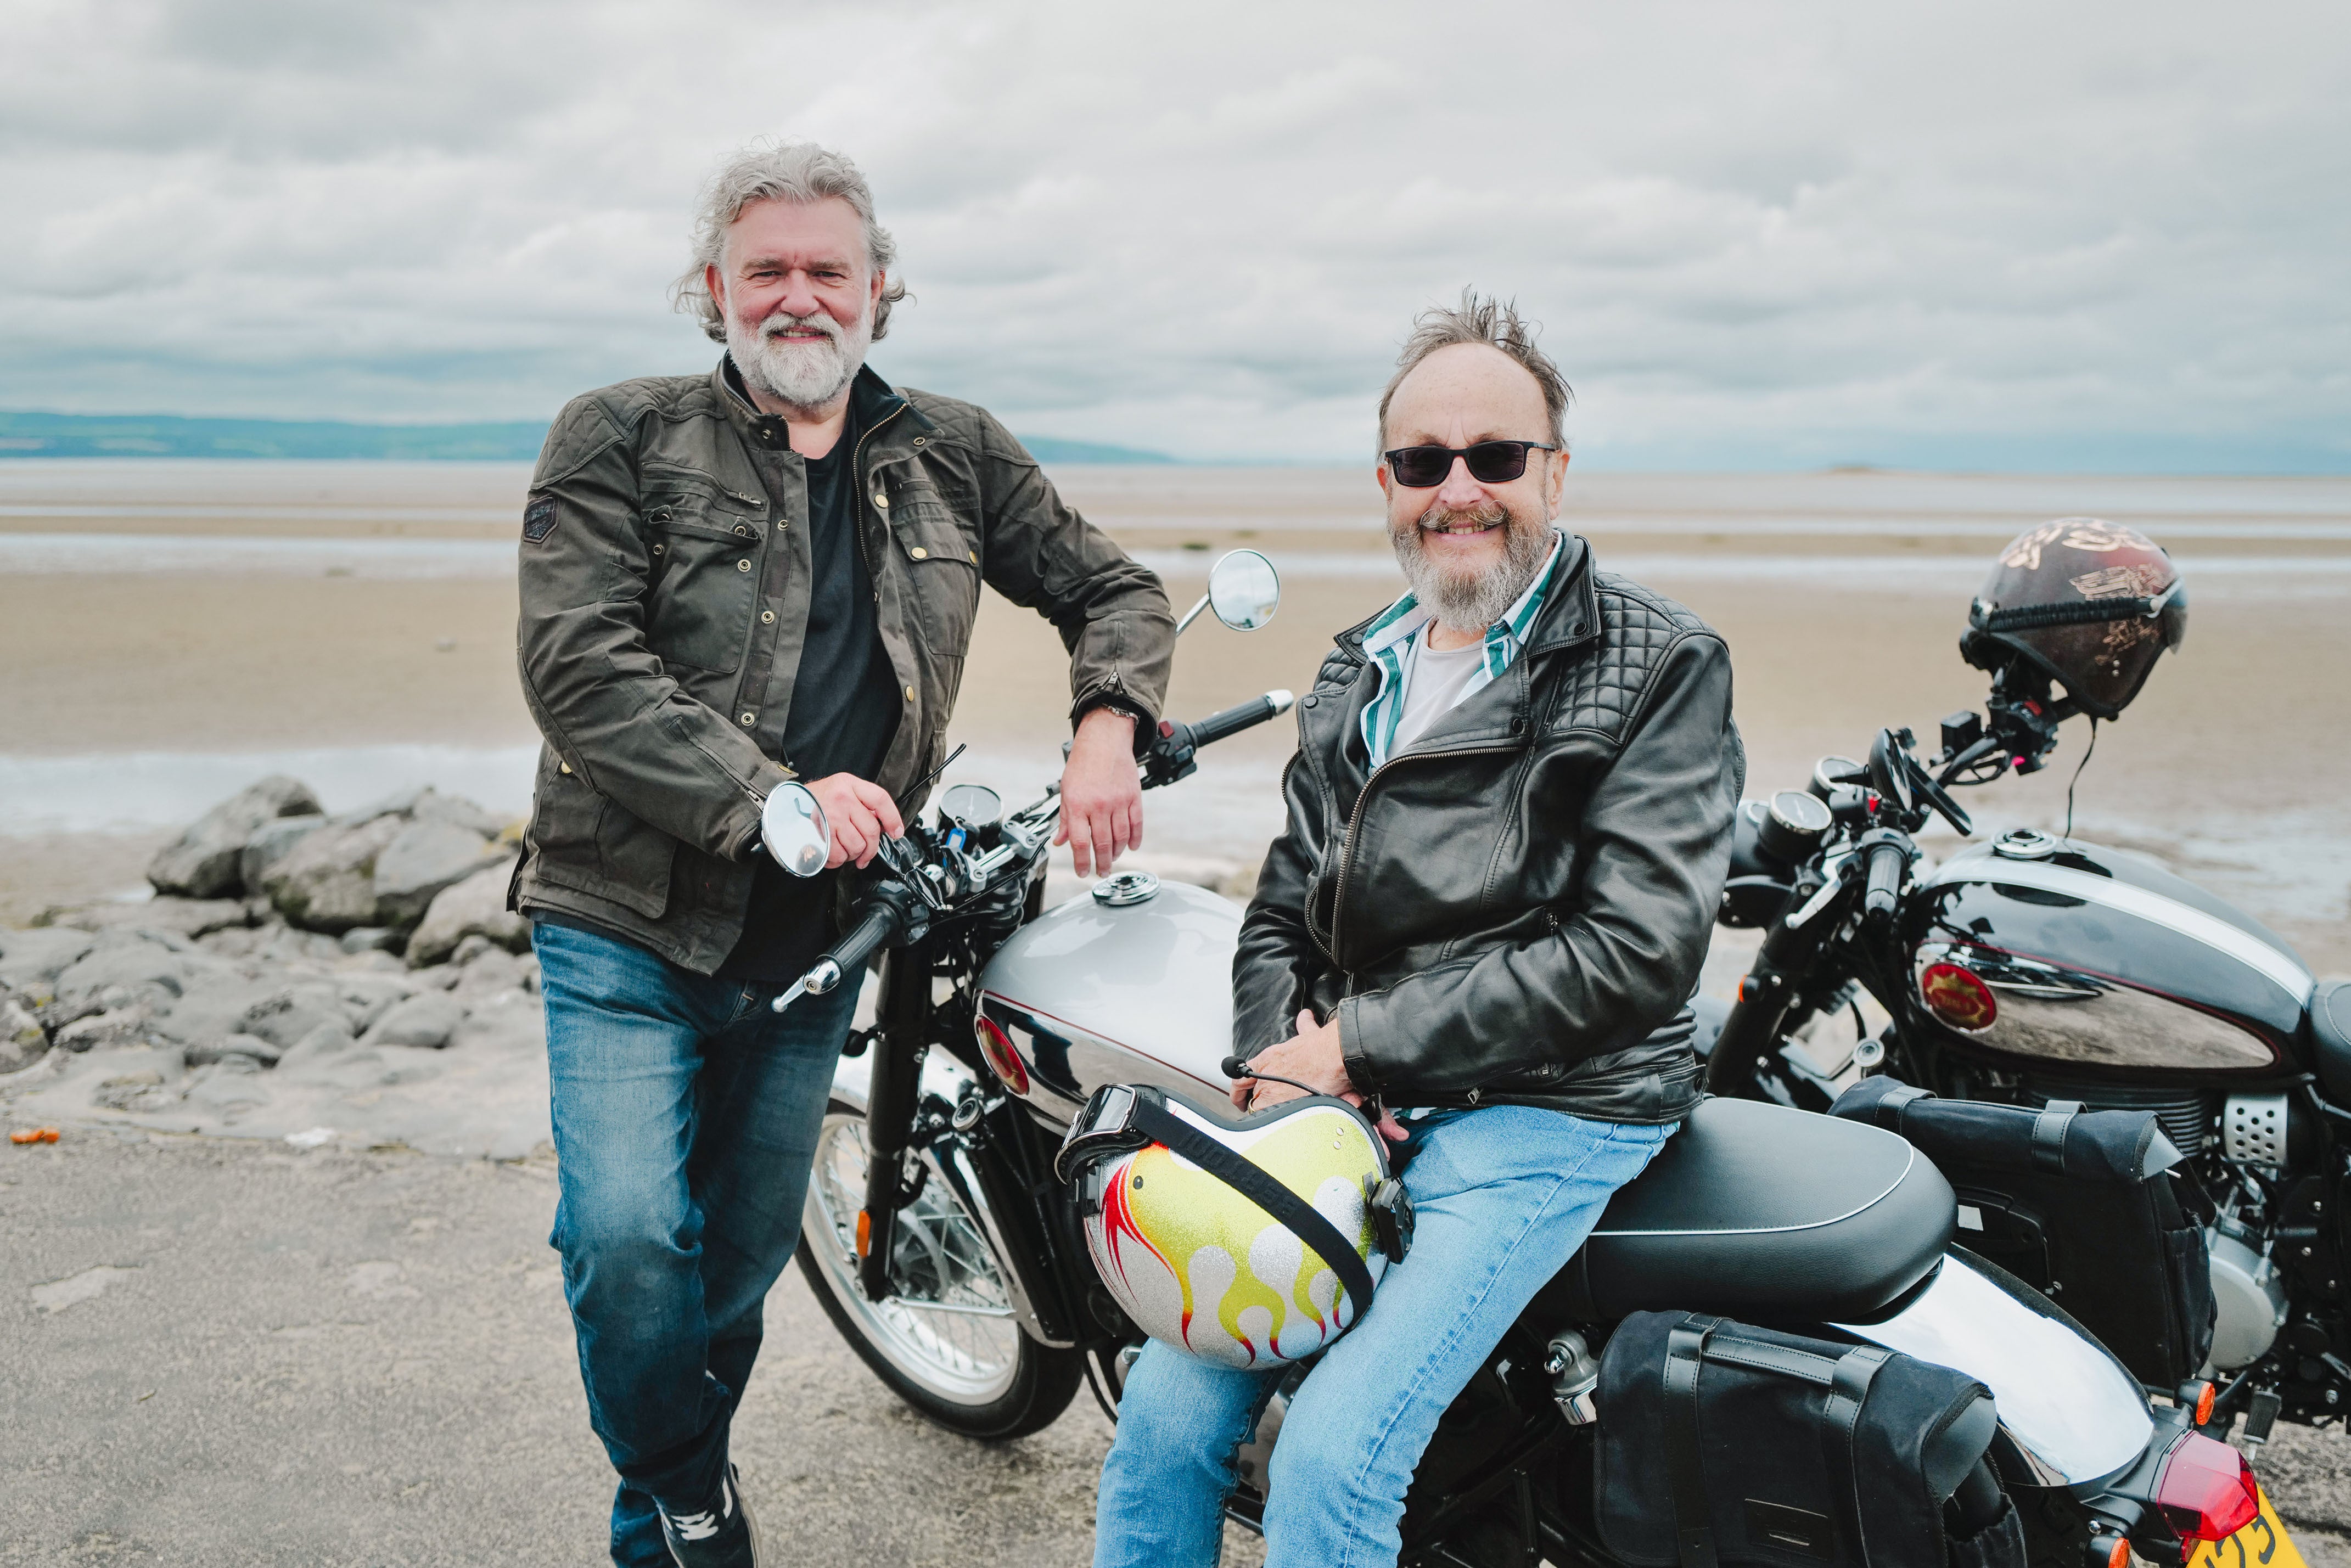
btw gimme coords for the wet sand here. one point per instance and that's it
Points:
(191, 610)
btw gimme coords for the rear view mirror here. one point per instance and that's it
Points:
(793, 830)
(1244, 590)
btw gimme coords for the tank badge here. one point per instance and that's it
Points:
(1959, 997)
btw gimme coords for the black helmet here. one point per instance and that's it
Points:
(2089, 603)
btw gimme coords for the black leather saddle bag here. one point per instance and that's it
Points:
(1724, 1444)
(2077, 1204)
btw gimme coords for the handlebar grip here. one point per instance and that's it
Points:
(1239, 716)
(866, 938)
(1884, 888)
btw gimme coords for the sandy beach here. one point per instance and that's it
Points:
(171, 630)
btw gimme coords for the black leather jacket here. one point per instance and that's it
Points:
(1514, 908)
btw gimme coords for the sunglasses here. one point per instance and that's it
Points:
(1491, 461)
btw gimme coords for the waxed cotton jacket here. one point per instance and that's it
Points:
(665, 581)
(1513, 908)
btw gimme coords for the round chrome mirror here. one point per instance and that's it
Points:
(1244, 590)
(793, 829)
(973, 805)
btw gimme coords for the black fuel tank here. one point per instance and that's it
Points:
(2060, 953)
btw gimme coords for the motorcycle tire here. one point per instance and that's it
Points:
(948, 1346)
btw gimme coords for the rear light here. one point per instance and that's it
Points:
(1002, 1060)
(2206, 1489)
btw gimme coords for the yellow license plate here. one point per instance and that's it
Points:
(2261, 1544)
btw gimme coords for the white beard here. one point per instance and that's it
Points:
(802, 375)
(1472, 603)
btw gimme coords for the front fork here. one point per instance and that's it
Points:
(904, 1023)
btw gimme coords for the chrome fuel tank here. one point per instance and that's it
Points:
(1089, 994)
(2068, 955)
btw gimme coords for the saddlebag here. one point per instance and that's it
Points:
(1723, 1443)
(2077, 1204)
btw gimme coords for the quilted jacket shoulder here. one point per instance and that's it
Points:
(1639, 630)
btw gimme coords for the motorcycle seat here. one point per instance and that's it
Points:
(1770, 1215)
(2330, 1027)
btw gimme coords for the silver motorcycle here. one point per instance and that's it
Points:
(940, 1246)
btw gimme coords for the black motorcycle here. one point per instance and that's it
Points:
(2036, 971)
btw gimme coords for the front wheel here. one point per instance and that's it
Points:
(945, 1339)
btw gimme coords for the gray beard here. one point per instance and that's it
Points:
(1472, 603)
(801, 376)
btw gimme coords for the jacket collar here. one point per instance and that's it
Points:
(1570, 612)
(871, 400)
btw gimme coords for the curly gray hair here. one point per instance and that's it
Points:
(779, 172)
(1496, 324)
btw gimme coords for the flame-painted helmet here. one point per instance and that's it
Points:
(1248, 1243)
(2090, 603)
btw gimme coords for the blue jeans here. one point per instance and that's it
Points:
(1502, 1198)
(686, 1112)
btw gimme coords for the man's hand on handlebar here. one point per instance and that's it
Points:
(859, 813)
(1102, 796)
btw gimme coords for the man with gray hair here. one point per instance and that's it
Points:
(766, 573)
(1510, 823)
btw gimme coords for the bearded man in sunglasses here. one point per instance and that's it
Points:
(1509, 820)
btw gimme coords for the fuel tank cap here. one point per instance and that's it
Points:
(1125, 888)
(2025, 844)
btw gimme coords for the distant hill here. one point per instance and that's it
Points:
(169, 435)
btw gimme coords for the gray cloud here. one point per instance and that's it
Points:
(1998, 234)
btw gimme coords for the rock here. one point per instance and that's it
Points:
(371, 939)
(491, 970)
(40, 955)
(133, 1091)
(250, 1047)
(203, 862)
(421, 861)
(188, 917)
(474, 907)
(143, 962)
(214, 1006)
(326, 1041)
(427, 1019)
(272, 842)
(367, 998)
(22, 1039)
(326, 882)
(470, 948)
(289, 1014)
(116, 1026)
(432, 806)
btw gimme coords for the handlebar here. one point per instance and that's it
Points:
(1170, 754)
(882, 922)
(1888, 857)
(1239, 716)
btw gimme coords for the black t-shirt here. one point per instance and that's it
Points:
(844, 714)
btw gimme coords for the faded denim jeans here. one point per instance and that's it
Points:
(686, 1112)
(1502, 1197)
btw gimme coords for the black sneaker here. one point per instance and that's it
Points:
(724, 1535)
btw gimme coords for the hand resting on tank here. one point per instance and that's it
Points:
(1311, 1056)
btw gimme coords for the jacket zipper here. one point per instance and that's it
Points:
(1354, 820)
(864, 499)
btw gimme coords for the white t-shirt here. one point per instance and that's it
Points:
(1433, 686)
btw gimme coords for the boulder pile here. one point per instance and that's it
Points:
(339, 952)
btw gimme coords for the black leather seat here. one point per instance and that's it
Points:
(1765, 1214)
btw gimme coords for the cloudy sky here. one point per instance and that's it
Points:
(2100, 236)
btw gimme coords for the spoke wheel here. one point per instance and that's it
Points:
(944, 1340)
